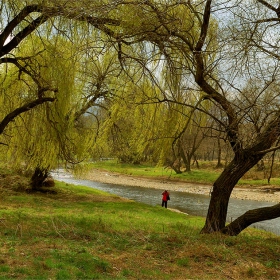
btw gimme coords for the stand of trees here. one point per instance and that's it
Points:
(143, 80)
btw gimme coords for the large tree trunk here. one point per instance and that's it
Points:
(250, 217)
(38, 177)
(222, 188)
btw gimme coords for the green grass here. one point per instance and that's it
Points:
(259, 182)
(204, 176)
(81, 233)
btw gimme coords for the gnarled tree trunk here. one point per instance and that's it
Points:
(222, 189)
(38, 177)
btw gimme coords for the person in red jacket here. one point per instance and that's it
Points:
(165, 198)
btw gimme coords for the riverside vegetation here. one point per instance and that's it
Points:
(207, 173)
(76, 232)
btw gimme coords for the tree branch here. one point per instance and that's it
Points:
(15, 61)
(251, 217)
(46, 13)
(23, 34)
(267, 5)
(26, 107)
(232, 130)
(17, 19)
(267, 150)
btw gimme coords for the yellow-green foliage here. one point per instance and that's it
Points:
(90, 63)
(39, 137)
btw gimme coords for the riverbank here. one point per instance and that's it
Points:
(262, 193)
(83, 233)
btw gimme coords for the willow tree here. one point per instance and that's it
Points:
(33, 42)
(222, 53)
(221, 91)
(140, 128)
(39, 138)
(142, 60)
(22, 20)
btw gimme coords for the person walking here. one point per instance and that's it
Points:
(165, 198)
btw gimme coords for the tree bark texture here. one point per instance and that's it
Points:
(38, 178)
(222, 189)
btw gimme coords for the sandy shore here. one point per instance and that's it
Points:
(263, 193)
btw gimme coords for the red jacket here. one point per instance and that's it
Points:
(165, 194)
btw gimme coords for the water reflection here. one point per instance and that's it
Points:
(193, 204)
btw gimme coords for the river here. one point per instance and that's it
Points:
(192, 204)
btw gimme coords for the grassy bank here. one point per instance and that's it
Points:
(81, 233)
(205, 174)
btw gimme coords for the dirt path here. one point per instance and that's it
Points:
(263, 193)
